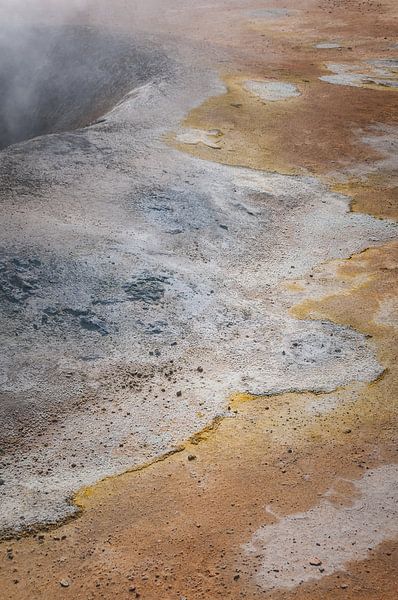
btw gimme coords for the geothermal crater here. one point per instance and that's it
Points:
(55, 79)
(198, 314)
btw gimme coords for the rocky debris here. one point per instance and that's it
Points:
(315, 562)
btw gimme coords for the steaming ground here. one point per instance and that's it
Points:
(60, 78)
(142, 286)
(142, 293)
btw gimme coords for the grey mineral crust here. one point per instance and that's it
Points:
(126, 265)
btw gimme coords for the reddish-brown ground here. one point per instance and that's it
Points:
(319, 132)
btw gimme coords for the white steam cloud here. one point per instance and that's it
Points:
(58, 70)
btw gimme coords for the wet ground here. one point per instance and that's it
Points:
(199, 311)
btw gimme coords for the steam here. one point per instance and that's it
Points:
(28, 11)
(56, 72)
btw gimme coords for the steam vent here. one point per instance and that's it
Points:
(198, 300)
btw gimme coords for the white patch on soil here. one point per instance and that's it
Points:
(269, 13)
(327, 45)
(330, 535)
(381, 73)
(272, 91)
(194, 137)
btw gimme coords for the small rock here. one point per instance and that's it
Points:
(64, 583)
(236, 577)
(347, 431)
(179, 393)
(315, 562)
(344, 586)
(191, 457)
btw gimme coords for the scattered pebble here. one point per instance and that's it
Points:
(315, 562)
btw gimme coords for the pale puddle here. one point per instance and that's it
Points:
(330, 535)
(272, 91)
(327, 45)
(269, 13)
(194, 137)
(381, 73)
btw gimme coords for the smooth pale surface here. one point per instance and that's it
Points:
(272, 91)
(332, 532)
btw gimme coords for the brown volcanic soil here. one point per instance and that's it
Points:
(175, 529)
(320, 131)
